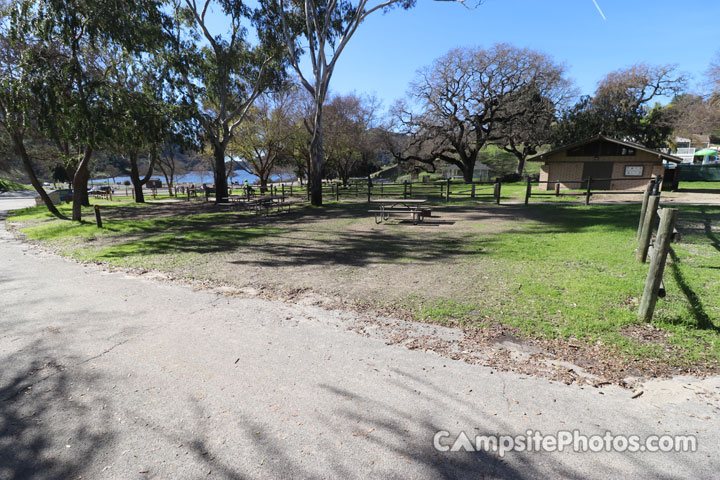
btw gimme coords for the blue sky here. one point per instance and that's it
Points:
(387, 49)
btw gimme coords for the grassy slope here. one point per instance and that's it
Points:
(7, 185)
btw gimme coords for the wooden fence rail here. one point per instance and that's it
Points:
(585, 188)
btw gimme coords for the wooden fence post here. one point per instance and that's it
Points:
(472, 191)
(557, 188)
(404, 188)
(369, 187)
(528, 191)
(410, 190)
(498, 187)
(646, 196)
(97, 217)
(337, 192)
(644, 242)
(658, 185)
(588, 193)
(657, 264)
(448, 191)
(282, 187)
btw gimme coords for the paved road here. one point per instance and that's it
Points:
(109, 376)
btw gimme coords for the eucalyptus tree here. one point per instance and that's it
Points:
(473, 97)
(17, 108)
(223, 75)
(321, 29)
(142, 115)
(67, 70)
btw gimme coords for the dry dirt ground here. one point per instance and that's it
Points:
(341, 259)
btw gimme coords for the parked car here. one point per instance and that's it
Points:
(57, 197)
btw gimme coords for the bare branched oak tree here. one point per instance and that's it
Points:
(326, 27)
(473, 97)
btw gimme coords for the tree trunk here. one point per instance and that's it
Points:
(169, 175)
(221, 186)
(468, 172)
(136, 180)
(20, 148)
(308, 167)
(316, 156)
(79, 182)
(520, 165)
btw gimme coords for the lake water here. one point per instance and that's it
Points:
(197, 178)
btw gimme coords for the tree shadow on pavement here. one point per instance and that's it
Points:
(45, 431)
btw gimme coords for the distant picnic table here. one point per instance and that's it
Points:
(263, 204)
(389, 206)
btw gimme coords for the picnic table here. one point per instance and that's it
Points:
(266, 203)
(390, 205)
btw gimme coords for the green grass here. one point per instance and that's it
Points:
(684, 185)
(7, 185)
(574, 276)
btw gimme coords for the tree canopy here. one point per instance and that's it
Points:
(621, 107)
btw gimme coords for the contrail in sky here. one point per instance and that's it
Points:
(599, 9)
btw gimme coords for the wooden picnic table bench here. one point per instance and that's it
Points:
(389, 206)
(266, 203)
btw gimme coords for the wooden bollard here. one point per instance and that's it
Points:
(588, 192)
(472, 191)
(447, 192)
(557, 188)
(97, 217)
(498, 187)
(644, 243)
(657, 264)
(528, 191)
(646, 196)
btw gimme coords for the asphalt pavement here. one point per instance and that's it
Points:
(107, 375)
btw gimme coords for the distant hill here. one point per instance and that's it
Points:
(7, 185)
